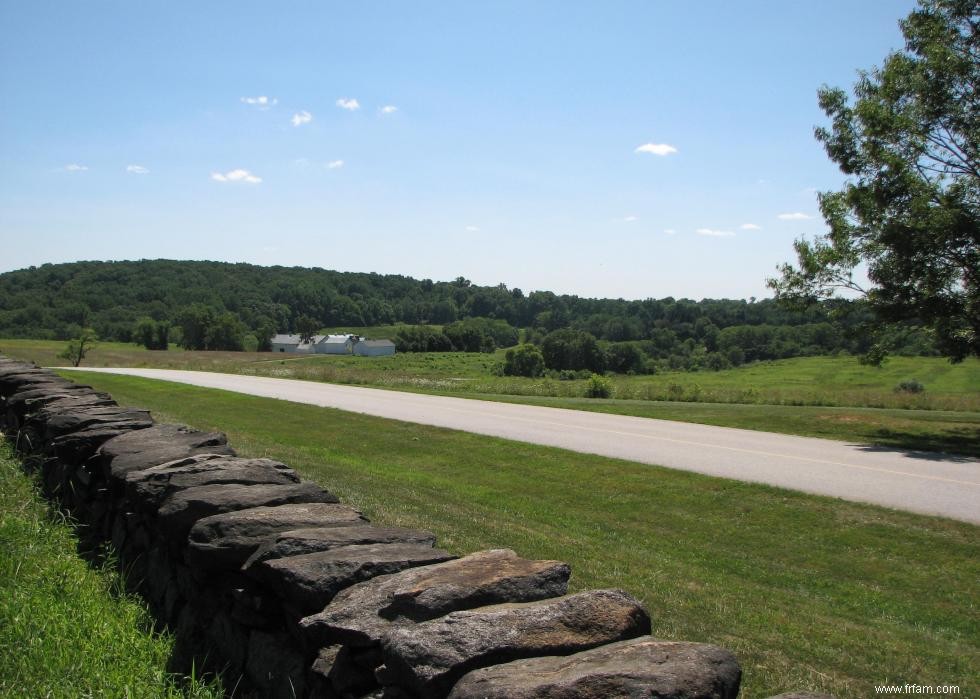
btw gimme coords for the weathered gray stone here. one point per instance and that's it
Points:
(362, 614)
(180, 511)
(150, 486)
(227, 540)
(157, 445)
(15, 379)
(319, 676)
(275, 666)
(641, 667)
(45, 400)
(325, 536)
(92, 416)
(350, 678)
(76, 447)
(428, 658)
(309, 581)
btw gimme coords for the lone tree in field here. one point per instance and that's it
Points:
(77, 349)
(910, 211)
(306, 328)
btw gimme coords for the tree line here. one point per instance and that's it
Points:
(224, 306)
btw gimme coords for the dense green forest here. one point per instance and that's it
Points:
(217, 305)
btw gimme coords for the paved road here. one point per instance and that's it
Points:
(920, 482)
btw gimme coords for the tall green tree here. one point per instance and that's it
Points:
(306, 328)
(910, 210)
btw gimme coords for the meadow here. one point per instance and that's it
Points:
(830, 397)
(810, 592)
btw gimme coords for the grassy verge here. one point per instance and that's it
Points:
(810, 592)
(815, 396)
(67, 629)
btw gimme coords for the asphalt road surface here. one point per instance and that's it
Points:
(927, 483)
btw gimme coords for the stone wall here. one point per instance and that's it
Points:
(268, 579)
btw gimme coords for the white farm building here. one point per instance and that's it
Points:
(333, 344)
(374, 348)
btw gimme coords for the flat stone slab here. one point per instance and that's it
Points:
(641, 667)
(362, 614)
(150, 486)
(76, 447)
(17, 378)
(157, 445)
(323, 538)
(428, 658)
(34, 399)
(227, 540)
(91, 416)
(311, 580)
(180, 511)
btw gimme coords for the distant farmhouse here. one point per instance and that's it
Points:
(333, 344)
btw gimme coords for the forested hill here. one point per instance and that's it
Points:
(56, 300)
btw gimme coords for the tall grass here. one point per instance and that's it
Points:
(68, 629)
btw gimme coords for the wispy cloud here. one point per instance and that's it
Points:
(236, 176)
(349, 103)
(75, 167)
(750, 227)
(796, 216)
(334, 164)
(714, 233)
(136, 169)
(472, 229)
(656, 149)
(387, 109)
(629, 219)
(262, 101)
(670, 231)
(300, 118)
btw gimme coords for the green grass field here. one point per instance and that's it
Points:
(830, 397)
(66, 628)
(810, 592)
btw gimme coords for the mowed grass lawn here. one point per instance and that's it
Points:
(810, 592)
(67, 629)
(830, 397)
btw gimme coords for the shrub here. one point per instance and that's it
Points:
(598, 387)
(910, 386)
(523, 360)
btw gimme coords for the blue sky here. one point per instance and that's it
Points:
(615, 149)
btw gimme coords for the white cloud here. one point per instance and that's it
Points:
(714, 233)
(75, 167)
(797, 216)
(236, 176)
(387, 109)
(472, 229)
(670, 231)
(136, 169)
(750, 227)
(300, 118)
(656, 149)
(262, 102)
(629, 219)
(334, 164)
(350, 104)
